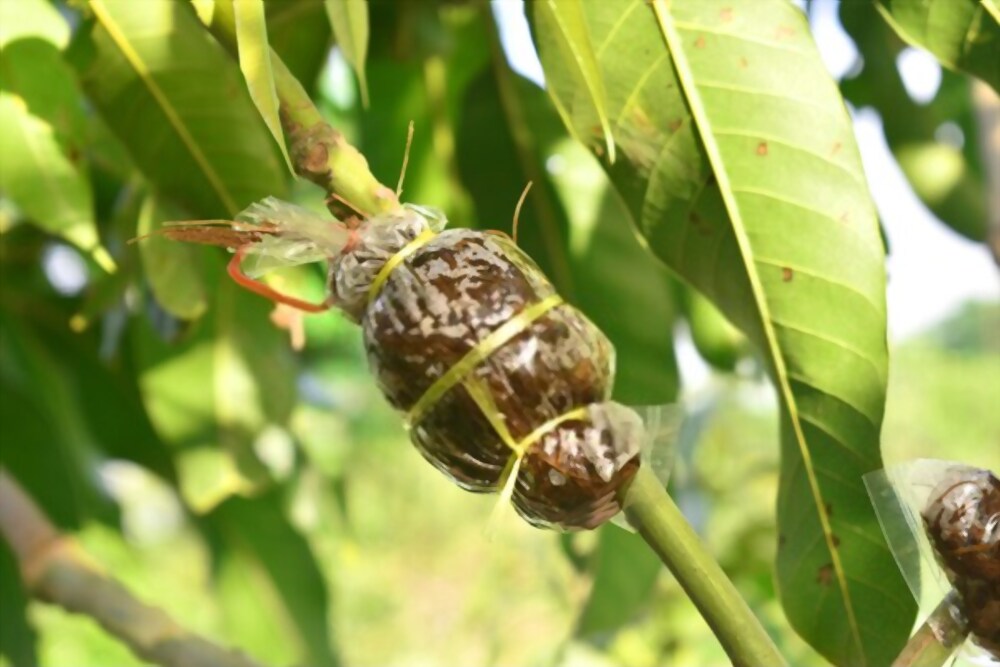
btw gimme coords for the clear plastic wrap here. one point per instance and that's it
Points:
(499, 380)
(942, 522)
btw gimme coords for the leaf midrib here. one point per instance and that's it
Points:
(173, 117)
(700, 116)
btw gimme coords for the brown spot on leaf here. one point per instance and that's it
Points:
(844, 217)
(699, 43)
(836, 148)
(829, 509)
(824, 575)
(762, 148)
(675, 125)
(744, 63)
(784, 32)
(835, 541)
(781, 540)
(694, 218)
(787, 274)
(726, 14)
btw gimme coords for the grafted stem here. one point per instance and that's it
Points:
(319, 153)
(652, 512)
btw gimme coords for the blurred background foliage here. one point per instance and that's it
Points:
(269, 499)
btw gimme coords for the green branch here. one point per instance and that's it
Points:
(55, 570)
(319, 153)
(655, 516)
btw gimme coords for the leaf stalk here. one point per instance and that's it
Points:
(655, 516)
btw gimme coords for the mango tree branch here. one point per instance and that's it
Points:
(319, 153)
(658, 520)
(55, 570)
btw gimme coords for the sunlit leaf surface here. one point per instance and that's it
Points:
(179, 104)
(349, 20)
(255, 62)
(41, 179)
(962, 34)
(752, 190)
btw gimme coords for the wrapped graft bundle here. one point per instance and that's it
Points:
(504, 387)
(962, 520)
(942, 521)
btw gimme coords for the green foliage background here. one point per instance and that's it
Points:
(269, 499)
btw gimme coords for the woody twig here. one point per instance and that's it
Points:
(56, 570)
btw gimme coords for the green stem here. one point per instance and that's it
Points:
(319, 153)
(655, 516)
(935, 641)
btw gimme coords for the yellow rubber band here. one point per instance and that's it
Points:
(487, 346)
(480, 393)
(550, 425)
(396, 260)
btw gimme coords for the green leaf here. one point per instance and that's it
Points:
(426, 87)
(610, 268)
(34, 70)
(738, 163)
(218, 390)
(32, 18)
(717, 341)
(171, 268)
(255, 61)
(17, 636)
(947, 179)
(178, 103)
(47, 445)
(257, 531)
(349, 20)
(563, 35)
(963, 34)
(43, 182)
(299, 32)
(625, 573)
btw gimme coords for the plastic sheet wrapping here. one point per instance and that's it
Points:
(469, 339)
(942, 522)
(301, 236)
(504, 387)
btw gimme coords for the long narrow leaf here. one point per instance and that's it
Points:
(564, 28)
(178, 103)
(40, 178)
(349, 20)
(255, 62)
(962, 34)
(738, 163)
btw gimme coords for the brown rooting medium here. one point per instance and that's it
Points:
(465, 334)
(446, 300)
(962, 520)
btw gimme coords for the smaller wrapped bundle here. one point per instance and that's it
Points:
(962, 519)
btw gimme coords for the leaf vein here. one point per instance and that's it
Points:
(697, 27)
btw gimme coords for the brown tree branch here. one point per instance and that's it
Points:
(56, 570)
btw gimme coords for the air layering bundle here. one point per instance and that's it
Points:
(504, 386)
